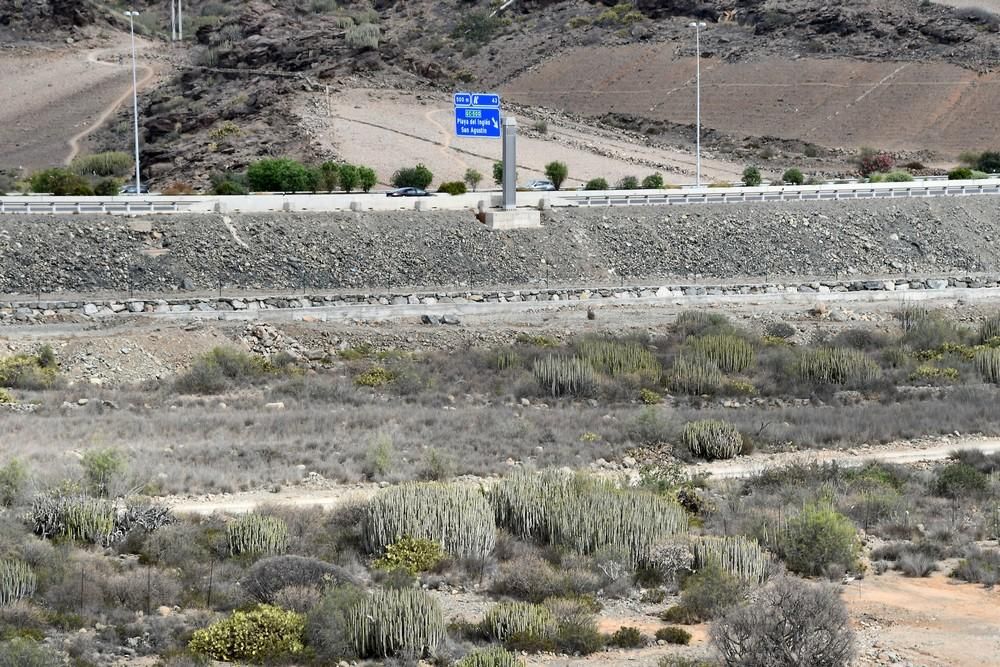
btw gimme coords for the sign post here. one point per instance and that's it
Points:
(509, 163)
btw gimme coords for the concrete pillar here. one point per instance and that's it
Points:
(509, 163)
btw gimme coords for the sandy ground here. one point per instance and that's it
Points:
(53, 96)
(832, 102)
(389, 129)
(932, 622)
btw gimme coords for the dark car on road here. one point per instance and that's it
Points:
(408, 192)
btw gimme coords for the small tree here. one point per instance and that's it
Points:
(349, 177)
(413, 177)
(367, 178)
(989, 162)
(60, 182)
(596, 184)
(751, 177)
(653, 182)
(329, 176)
(794, 623)
(793, 176)
(557, 172)
(472, 178)
(498, 173)
(628, 183)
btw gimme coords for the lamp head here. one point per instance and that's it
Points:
(696, 24)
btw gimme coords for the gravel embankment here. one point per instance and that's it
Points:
(375, 250)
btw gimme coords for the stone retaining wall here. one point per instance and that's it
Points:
(40, 310)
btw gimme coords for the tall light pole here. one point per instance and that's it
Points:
(180, 21)
(173, 20)
(697, 25)
(135, 97)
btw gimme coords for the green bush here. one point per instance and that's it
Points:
(31, 372)
(24, 652)
(891, 177)
(402, 623)
(103, 164)
(596, 184)
(453, 188)
(673, 635)
(712, 439)
(228, 186)
(477, 27)
(793, 176)
(557, 172)
(989, 162)
(259, 635)
(257, 534)
(628, 183)
(278, 175)
(960, 174)
(101, 467)
(13, 477)
(222, 368)
(627, 637)
(363, 36)
(650, 397)
(108, 187)
(457, 517)
(576, 626)
(653, 182)
(707, 593)
(411, 554)
(60, 182)
(956, 480)
(329, 176)
(498, 173)
(376, 376)
(751, 177)
(817, 538)
(413, 177)
(266, 578)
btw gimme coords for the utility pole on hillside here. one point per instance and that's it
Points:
(173, 20)
(697, 25)
(180, 21)
(135, 98)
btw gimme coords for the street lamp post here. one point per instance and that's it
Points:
(697, 25)
(135, 98)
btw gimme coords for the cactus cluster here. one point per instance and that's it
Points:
(457, 517)
(396, 622)
(73, 517)
(585, 514)
(836, 366)
(694, 374)
(619, 358)
(506, 358)
(693, 322)
(507, 619)
(564, 376)
(93, 520)
(738, 555)
(364, 36)
(494, 656)
(988, 364)
(990, 328)
(17, 581)
(730, 353)
(257, 535)
(712, 439)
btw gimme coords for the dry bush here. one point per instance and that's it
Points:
(793, 623)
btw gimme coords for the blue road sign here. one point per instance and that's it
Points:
(477, 115)
(483, 100)
(483, 123)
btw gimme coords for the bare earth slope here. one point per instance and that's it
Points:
(831, 102)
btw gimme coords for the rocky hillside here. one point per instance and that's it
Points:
(252, 59)
(375, 250)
